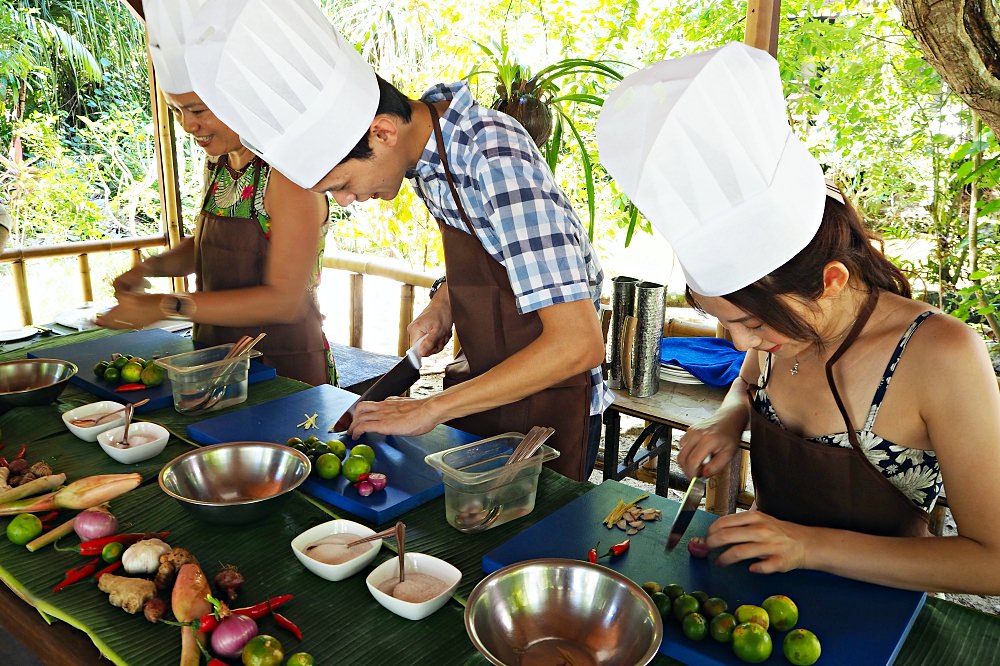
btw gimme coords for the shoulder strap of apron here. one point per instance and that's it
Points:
(435, 122)
(852, 335)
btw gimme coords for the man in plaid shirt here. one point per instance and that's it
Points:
(523, 284)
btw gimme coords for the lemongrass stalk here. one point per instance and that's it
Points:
(54, 534)
(42, 484)
(35, 504)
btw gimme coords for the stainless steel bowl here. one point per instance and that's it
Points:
(553, 611)
(33, 381)
(236, 482)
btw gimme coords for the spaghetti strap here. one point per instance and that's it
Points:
(890, 369)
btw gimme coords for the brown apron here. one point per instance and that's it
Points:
(827, 486)
(491, 330)
(231, 253)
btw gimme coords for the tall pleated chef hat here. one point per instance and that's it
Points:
(167, 23)
(702, 145)
(279, 74)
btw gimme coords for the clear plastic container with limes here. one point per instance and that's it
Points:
(204, 379)
(480, 490)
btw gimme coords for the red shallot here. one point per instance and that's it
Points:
(232, 634)
(95, 523)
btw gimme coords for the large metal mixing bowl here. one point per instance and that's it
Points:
(33, 381)
(236, 482)
(552, 611)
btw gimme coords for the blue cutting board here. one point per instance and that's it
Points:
(147, 344)
(412, 482)
(857, 623)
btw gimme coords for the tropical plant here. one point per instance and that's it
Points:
(539, 101)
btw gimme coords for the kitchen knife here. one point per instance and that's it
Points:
(692, 499)
(396, 381)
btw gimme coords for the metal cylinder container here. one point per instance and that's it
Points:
(622, 306)
(644, 347)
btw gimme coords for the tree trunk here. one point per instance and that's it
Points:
(961, 40)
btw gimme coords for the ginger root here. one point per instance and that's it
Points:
(129, 594)
(170, 564)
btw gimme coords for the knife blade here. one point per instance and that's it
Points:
(692, 499)
(396, 381)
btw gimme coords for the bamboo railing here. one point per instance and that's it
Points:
(358, 265)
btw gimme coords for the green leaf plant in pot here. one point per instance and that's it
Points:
(540, 102)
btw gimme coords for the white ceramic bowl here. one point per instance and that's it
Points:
(415, 563)
(90, 434)
(134, 454)
(335, 571)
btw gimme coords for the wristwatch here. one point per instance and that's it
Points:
(177, 306)
(437, 285)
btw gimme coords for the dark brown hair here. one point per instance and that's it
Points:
(842, 236)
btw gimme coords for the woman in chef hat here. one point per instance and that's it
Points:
(258, 247)
(859, 399)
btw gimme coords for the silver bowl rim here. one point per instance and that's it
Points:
(31, 361)
(200, 450)
(644, 598)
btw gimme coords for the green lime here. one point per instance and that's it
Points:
(364, 451)
(328, 466)
(130, 372)
(112, 552)
(713, 606)
(262, 650)
(119, 362)
(337, 447)
(673, 591)
(111, 375)
(721, 627)
(801, 647)
(695, 626)
(311, 440)
(301, 659)
(751, 642)
(652, 587)
(782, 612)
(355, 466)
(751, 613)
(663, 603)
(100, 368)
(294, 442)
(684, 605)
(702, 597)
(152, 375)
(24, 528)
(319, 448)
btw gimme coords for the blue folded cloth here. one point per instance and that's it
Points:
(714, 361)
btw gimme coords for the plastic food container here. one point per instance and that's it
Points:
(480, 490)
(204, 380)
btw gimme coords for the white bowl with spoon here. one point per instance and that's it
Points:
(89, 421)
(306, 547)
(145, 440)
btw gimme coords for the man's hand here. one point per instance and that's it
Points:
(435, 322)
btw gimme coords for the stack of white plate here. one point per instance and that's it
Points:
(677, 374)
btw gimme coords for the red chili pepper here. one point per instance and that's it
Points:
(78, 574)
(131, 387)
(49, 516)
(209, 621)
(95, 546)
(619, 548)
(592, 554)
(217, 662)
(111, 568)
(287, 624)
(20, 454)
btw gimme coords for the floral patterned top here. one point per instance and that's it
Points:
(915, 472)
(232, 193)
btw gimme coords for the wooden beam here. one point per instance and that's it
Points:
(136, 7)
(762, 25)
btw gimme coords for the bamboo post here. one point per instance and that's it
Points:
(85, 281)
(21, 285)
(406, 293)
(762, 25)
(357, 316)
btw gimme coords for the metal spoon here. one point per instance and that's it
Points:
(216, 391)
(92, 421)
(129, 410)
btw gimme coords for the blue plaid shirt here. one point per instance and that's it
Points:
(519, 214)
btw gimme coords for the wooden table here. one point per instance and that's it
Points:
(673, 406)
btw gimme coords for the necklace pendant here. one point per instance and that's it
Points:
(795, 368)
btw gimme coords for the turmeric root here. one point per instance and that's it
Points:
(129, 594)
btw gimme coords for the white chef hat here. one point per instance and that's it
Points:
(285, 80)
(167, 23)
(702, 146)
